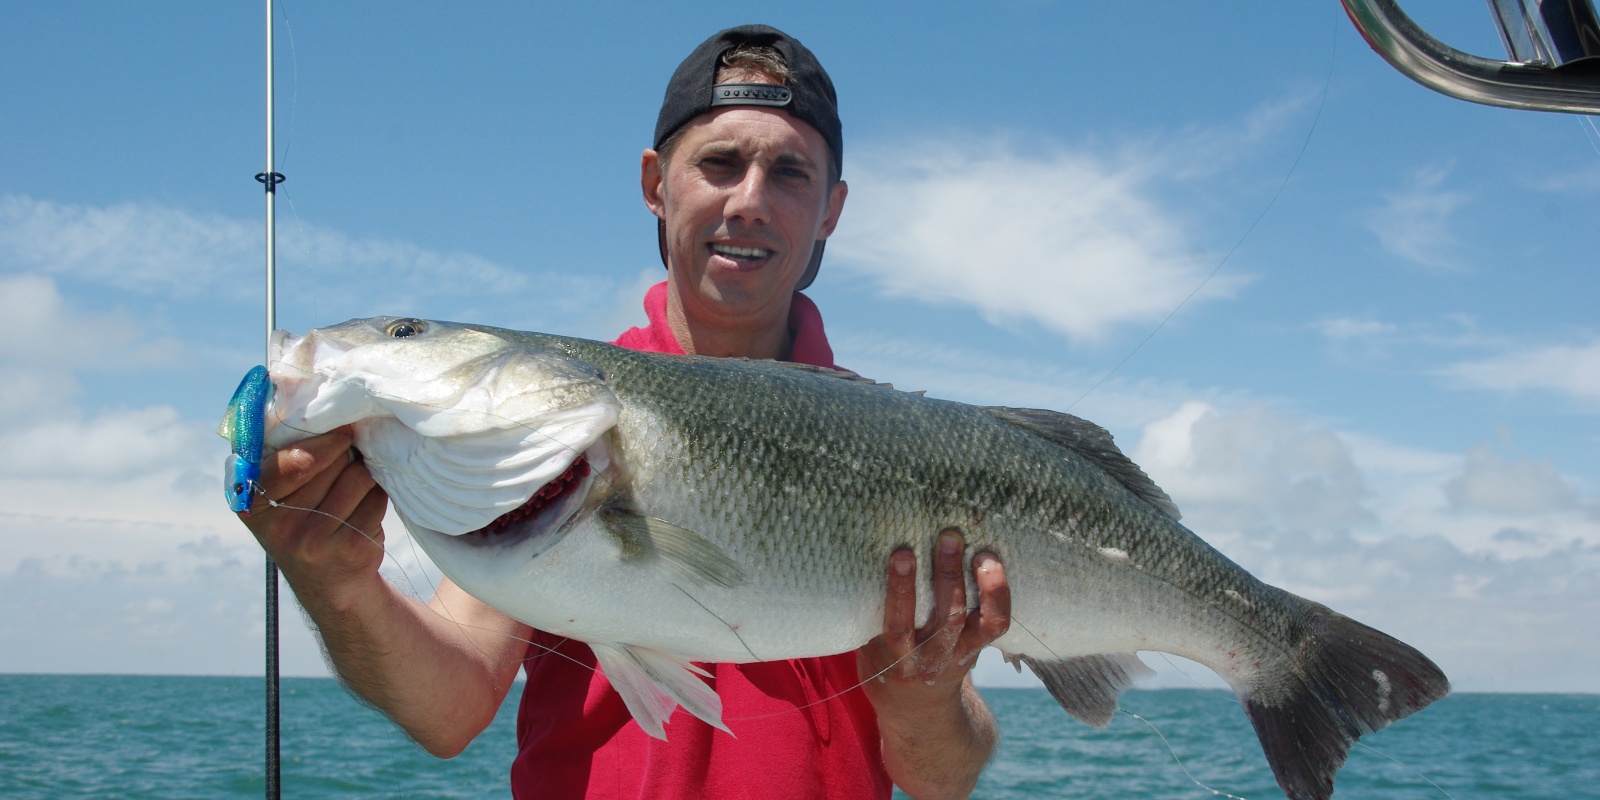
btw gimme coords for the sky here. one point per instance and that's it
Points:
(1347, 323)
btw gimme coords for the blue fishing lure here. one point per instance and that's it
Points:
(244, 426)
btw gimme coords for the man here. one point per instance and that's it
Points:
(744, 180)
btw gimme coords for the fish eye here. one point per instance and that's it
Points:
(406, 328)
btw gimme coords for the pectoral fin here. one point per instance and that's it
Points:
(1087, 687)
(684, 553)
(653, 683)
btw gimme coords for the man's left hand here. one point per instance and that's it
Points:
(945, 648)
(936, 731)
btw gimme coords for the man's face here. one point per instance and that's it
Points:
(745, 197)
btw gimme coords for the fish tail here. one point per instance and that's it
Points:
(1346, 680)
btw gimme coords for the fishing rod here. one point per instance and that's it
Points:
(269, 179)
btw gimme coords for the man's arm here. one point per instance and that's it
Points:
(937, 731)
(439, 671)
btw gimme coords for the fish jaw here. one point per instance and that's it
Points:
(457, 424)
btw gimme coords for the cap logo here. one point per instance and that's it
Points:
(750, 94)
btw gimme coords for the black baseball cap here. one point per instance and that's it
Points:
(808, 95)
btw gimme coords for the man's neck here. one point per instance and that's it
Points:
(771, 340)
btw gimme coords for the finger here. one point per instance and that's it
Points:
(368, 514)
(334, 495)
(949, 585)
(942, 633)
(993, 617)
(345, 531)
(291, 468)
(353, 493)
(900, 611)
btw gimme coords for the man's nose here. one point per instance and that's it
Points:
(748, 201)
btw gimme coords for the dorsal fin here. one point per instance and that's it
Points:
(1092, 442)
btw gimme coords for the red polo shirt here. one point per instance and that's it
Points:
(801, 728)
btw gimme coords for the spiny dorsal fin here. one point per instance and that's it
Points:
(1092, 442)
(686, 554)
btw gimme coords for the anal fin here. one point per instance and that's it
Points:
(653, 683)
(1087, 687)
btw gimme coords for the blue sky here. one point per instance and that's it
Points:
(1387, 398)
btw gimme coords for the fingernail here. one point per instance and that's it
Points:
(902, 566)
(950, 543)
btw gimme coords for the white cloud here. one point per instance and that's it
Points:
(1519, 486)
(1357, 341)
(1369, 528)
(140, 247)
(1362, 524)
(1068, 240)
(1570, 370)
(1202, 152)
(102, 447)
(38, 329)
(1583, 180)
(1341, 329)
(1415, 221)
(1254, 473)
(151, 249)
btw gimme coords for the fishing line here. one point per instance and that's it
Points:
(1211, 690)
(1590, 132)
(294, 83)
(294, 108)
(724, 622)
(412, 587)
(1175, 757)
(600, 477)
(549, 650)
(880, 676)
(1152, 725)
(1304, 146)
(1220, 695)
(1406, 767)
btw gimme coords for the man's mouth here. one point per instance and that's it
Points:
(741, 253)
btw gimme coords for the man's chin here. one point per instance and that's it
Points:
(738, 295)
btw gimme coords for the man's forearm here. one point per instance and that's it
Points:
(438, 671)
(939, 750)
(434, 671)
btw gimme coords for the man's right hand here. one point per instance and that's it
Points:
(439, 671)
(326, 531)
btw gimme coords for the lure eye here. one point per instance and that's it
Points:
(406, 328)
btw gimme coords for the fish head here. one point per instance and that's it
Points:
(463, 426)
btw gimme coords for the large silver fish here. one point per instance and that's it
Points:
(669, 509)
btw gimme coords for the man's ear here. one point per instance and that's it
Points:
(830, 220)
(650, 183)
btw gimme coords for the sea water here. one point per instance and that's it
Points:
(201, 737)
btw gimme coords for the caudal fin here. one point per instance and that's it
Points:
(1349, 679)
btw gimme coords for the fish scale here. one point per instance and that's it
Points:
(744, 511)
